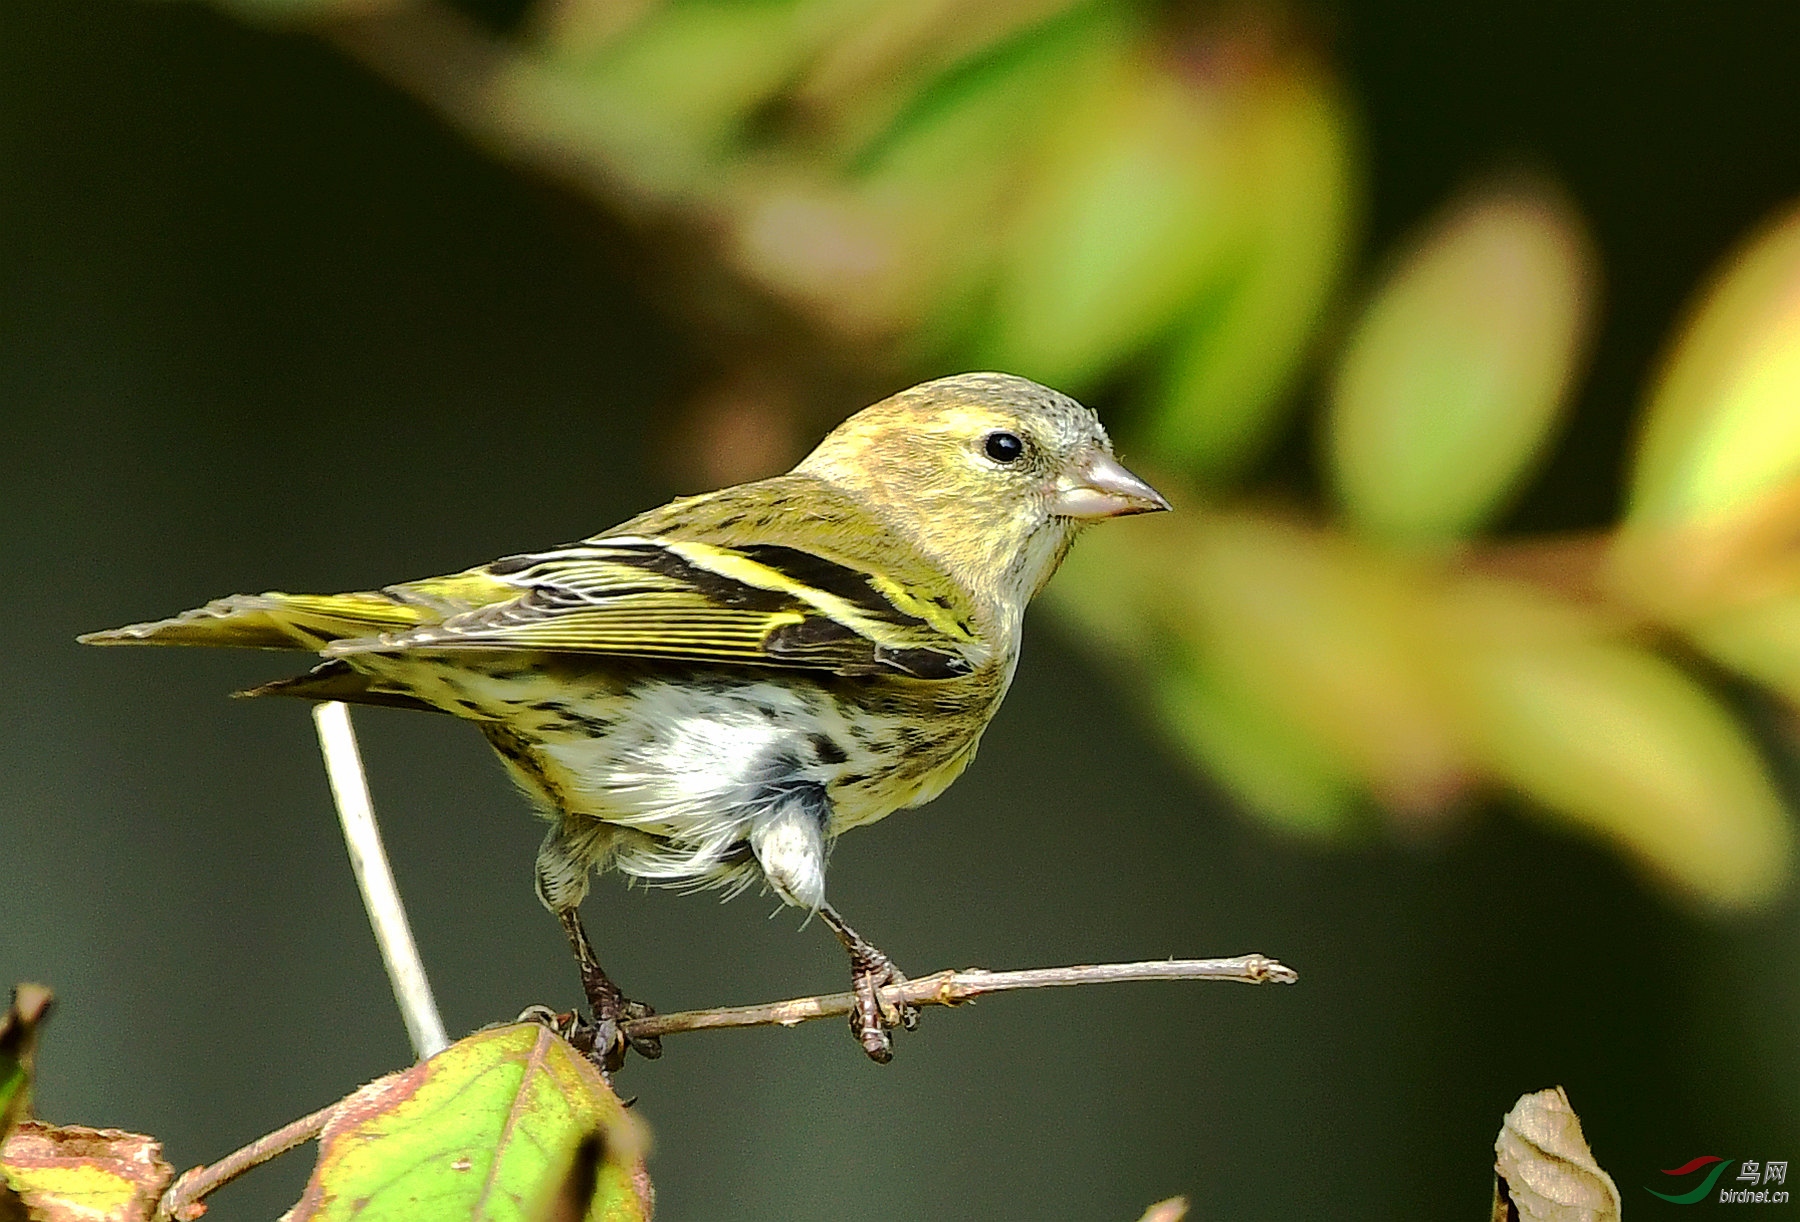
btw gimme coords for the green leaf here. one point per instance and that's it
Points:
(1611, 738)
(1722, 430)
(1455, 377)
(1234, 360)
(485, 1130)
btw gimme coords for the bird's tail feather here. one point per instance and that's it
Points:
(338, 681)
(272, 621)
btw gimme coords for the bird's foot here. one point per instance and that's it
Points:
(872, 1016)
(569, 1024)
(602, 1040)
(610, 1038)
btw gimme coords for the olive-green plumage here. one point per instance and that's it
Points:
(710, 692)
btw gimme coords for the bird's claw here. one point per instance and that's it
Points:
(872, 1015)
(602, 1040)
(647, 1046)
(610, 1039)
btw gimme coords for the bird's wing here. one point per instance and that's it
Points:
(731, 578)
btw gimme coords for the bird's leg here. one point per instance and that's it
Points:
(610, 1007)
(565, 861)
(788, 841)
(870, 970)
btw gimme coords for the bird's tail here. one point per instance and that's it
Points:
(291, 621)
(273, 621)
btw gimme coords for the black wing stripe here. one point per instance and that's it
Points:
(724, 591)
(851, 585)
(854, 654)
(923, 663)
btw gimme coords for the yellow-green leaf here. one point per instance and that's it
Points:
(1611, 738)
(901, 246)
(1456, 375)
(1760, 639)
(1111, 592)
(1723, 426)
(1128, 218)
(1297, 665)
(1335, 638)
(1273, 766)
(1233, 362)
(657, 107)
(485, 1130)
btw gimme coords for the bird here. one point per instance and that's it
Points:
(710, 693)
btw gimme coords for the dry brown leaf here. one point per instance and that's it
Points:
(76, 1174)
(1543, 1169)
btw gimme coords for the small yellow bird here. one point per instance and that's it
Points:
(710, 693)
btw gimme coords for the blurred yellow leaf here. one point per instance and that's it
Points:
(1272, 766)
(1457, 372)
(1114, 595)
(1723, 426)
(656, 108)
(900, 244)
(1129, 217)
(1761, 640)
(1335, 637)
(1608, 736)
(1234, 360)
(1298, 665)
(1172, 1210)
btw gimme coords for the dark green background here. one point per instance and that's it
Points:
(264, 324)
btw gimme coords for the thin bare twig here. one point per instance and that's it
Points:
(350, 789)
(180, 1202)
(952, 988)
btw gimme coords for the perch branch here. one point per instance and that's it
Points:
(952, 988)
(181, 1201)
(349, 788)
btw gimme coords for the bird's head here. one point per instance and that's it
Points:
(992, 475)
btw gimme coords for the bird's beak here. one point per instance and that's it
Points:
(1100, 487)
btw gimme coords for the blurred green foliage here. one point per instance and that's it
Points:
(1156, 207)
(1459, 367)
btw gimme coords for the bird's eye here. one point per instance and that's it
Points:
(1004, 447)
